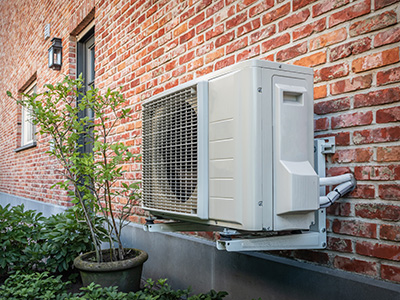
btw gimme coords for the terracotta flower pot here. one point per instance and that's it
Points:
(126, 274)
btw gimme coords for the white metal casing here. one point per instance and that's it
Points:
(254, 149)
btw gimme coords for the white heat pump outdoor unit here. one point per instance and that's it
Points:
(234, 149)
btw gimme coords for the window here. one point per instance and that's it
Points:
(85, 66)
(27, 127)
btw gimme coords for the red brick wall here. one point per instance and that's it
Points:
(150, 46)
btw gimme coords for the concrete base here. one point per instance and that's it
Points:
(189, 261)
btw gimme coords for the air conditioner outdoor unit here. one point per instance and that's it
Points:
(234, 149)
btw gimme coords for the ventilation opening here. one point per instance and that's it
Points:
(170, 152)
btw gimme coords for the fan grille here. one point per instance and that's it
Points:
(170, 152)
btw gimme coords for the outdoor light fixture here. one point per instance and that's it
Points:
(55, 54)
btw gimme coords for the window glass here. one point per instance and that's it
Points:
(28, 129)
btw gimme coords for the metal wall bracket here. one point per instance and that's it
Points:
(179, 226)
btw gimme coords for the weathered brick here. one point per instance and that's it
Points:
(350, 120)
(327, 5)
(356, 265)
(389, 76)
(390, 232)
(377, 173)
(385, 251)
(215, 55)
(376, 60)
(260, 7)
(214, 32)
(377, 135)
(389, 192)
(321, 124)
(297, 4)
(275, 42)
(248, 27)
(354, 228)
(314, 256)
(276, 14)
(292, 52)
(350, 48)
(349, 13)
(373, 23)
(196, 20)
(235, 21)
(339, 209)
(363, 191)
(204, 26)
(239, 44)
(326, 107)
(389, 272)
(293, 20)
(219, 5)
(328, 39)
(388, 115)
(387, 37)
(388, 154)
(383, 3)
(334, 171)
(312, 60)
(248, 53)
(379, 97)
(385, 212)
(309, 29)
(339, 244)
(244, 4)
(352, 155)
(187, 57)
(350, 85)
(186, 36)
(223, 39)
(264, 33)
(225, 62)
(332, 72)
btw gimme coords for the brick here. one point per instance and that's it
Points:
(226, 38)
(204, 49)
(359, 9)
(324, 6)
(352, 155)
(186, 58)
(326, 107)
(204, 26)
(293, 20)
(297, 4)
(375, 60)
(383, 3)
(248, 53)
(264, 33)
(388, 154)
(377, 173)
(373, 23)
(328, 39)
(354, 228)
(236, 45)
(387, 37)
(276, 14)
(309, 29)
(321, 124)
(356, 265)
(203, 4)
(215, 8)
(377, 135)
(236, 20)
(196, 20)
(332, 72)
(291, 52)
(224, 14)
(390, 232)
(339, 244)
(198, 40)
(334, 171)
(320, 92)
(187, 36)
(204, 71)
(351, 85)
(214, 32)
(391, 273)
(339, 209)
(379, 97)
(275, 42)
(225, 62)
(363, 191)
(248, 27)
(261, 7)
(314, 256)
(195, 64)
(390, 252)
(389, 76)
(341, 138)
(384, 212)
(350, 48)
(181, 29)
(389, 192)
(312, 60)
(388, 115)
(350, 120)
(215, 55)
(244, 4)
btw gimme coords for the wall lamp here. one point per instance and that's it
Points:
(55, 54)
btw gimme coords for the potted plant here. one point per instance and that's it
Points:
(81, 129)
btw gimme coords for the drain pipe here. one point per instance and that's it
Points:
(346, 183)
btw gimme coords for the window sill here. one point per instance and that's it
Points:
(27, 146)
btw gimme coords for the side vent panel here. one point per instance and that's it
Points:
(170, 153)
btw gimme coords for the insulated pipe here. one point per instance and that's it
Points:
(335, 179)
(339, 191)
